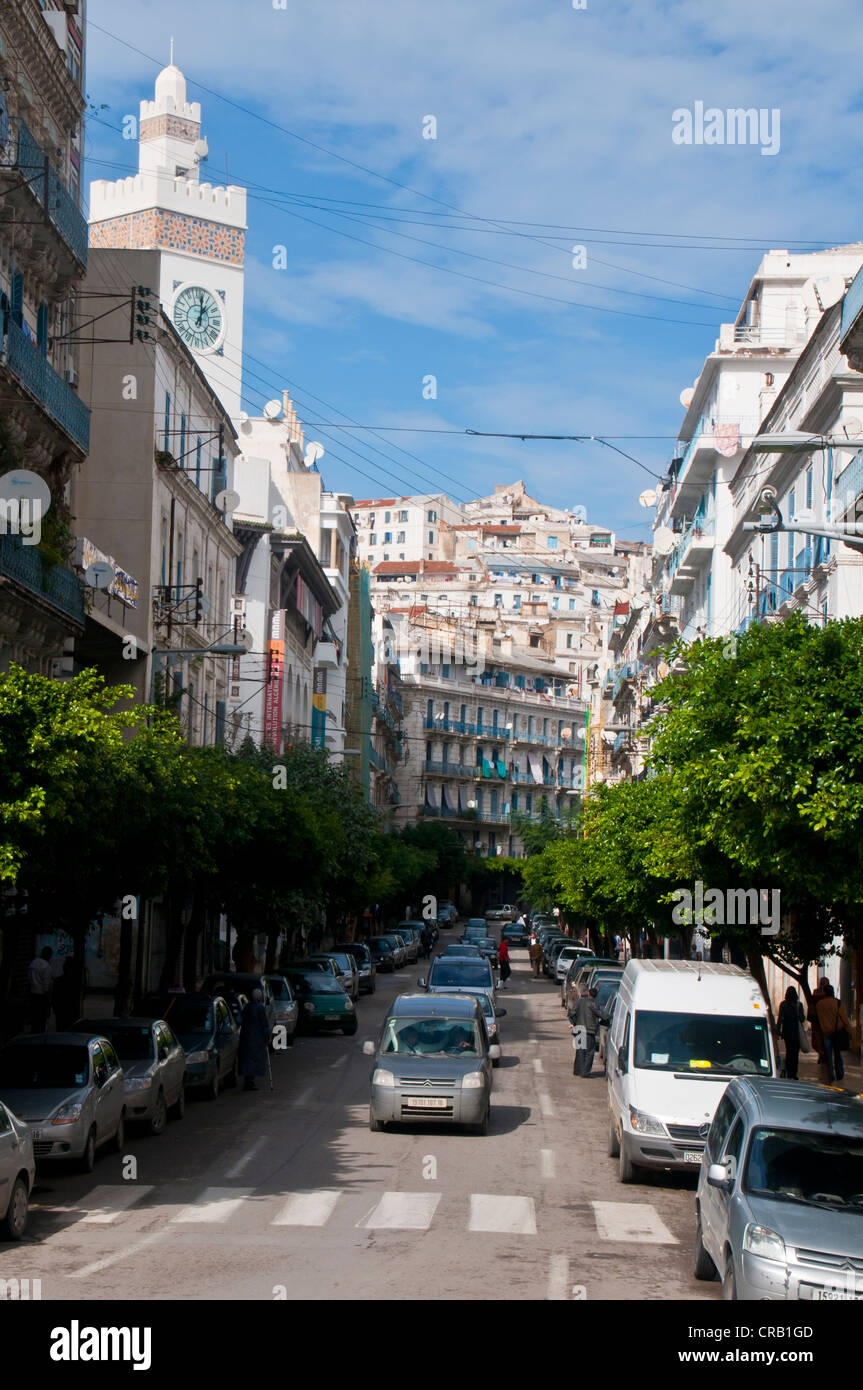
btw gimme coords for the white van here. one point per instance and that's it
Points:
(681, 1031)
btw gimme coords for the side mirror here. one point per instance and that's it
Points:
(717, 1176)
(368, 1048)
(494, 1051)
(421, 984)
(622, 1064)
(500, 1013)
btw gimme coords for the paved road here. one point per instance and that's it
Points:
(289, 1194)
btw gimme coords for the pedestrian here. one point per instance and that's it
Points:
(67, 997)
(40, 980)
(534, 953)
(835, 1030)
(584, 1020)
(254, 1041)
(503, 961)
(790, 1021)
(818, 994)
(426, 940)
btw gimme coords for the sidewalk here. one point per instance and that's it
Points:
(809, 1070)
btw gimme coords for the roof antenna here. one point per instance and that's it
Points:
(172, 50)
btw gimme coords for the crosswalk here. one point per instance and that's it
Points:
(139, 1206)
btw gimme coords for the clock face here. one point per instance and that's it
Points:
(198, 318)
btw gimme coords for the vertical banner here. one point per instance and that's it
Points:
(319, 706)
(275, 684)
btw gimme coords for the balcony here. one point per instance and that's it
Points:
(34, 373)
(52, 194)
(56, 586)
(852, 306)
(849, 484)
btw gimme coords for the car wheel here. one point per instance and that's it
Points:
(160, 1115)
(14, 1224)
(87, 1161)
(704, 1267)
(178, 1109)
(613, 1141)
(116, 1144)
(729, 1283)
(376, 1126)
(212, 1092)
(629, 1171)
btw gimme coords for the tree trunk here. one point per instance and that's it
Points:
(123, 992)
(174, 944)
(190, 945)
(755, 961)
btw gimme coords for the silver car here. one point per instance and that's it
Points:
(287, 1007)
(780, 1193)
(69, 1090)
(433, 1063)
(454, 974)
(154, 1067)
(345, 971)
(17, 1174)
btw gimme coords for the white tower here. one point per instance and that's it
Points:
(199, 229)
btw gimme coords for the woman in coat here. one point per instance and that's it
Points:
(790, 1018)
(833, 1020)
(254, 1041)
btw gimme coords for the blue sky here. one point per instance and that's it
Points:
(553, 132)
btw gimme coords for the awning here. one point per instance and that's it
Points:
(433, 795)
(501, 768)
(536, 767)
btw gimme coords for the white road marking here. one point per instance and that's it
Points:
(402, 1211)
(545, 1105)
(507, 1215)
(546, 1157)
(633, 1222)
(308, 1208)
(558, 1278)
(306, 1096)
(104, 1204)
(247, 1157)
(120, 1255)
(340, 1061)
(537, 1064)
(215, 1204)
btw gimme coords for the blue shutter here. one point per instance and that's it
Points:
(42, 328)
(182, 454)
(167, 421)
(16, 296)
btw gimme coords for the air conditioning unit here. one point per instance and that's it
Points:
(70, 376)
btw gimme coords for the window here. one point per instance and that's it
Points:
(516, 600)
(554, 603)
(534, 640)
(731, 1154)
(386, 556)
(498, 600)
(402, 555)
(431, 516)
(388, 537)
(400, 539)
(552, 542)
(431, 537)
(181, 457)
(163, 544)
(572, 605)
(569, 640)
(403, 516)
(386, 518)
(809, 486)
(198, 447)
(473, 601)
(373, 540)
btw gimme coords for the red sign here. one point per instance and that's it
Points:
(273, 697)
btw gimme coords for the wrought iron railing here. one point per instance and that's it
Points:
(55, 585)
(23, 359)
(57, 201)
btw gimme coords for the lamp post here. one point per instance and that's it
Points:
(796, 442)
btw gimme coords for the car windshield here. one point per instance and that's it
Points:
(280, 988)
(605, 992)
(359, 952)
(432, 1037)
(315, 982)
(466, 949)
(701, 1042)
(381, 947)
(131, 1044)
(44, 1066)
(460, 972)
(822, 1170)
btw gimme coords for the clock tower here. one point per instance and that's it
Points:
(198, 228)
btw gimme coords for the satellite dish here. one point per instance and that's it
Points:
(314, 451)
(202, 149)
(99, 574)
(648, 498)
(245, 639)
(22, 483)
(686, 396)
(663, 540)
(243, 417)
(829, 290)
(272, 410)
(227, 501)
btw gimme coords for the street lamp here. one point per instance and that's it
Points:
(800, 441)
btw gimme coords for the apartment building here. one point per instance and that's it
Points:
(404, 528)
(44, 424)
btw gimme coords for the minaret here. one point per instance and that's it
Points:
(198, 228)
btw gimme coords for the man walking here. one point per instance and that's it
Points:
(584, 1019)
(503, 960)
(835, 1028)
(534, 952)
(40, 980)
(253, 1055)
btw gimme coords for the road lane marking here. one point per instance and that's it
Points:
(306, 1096)
(215, 1204)
(105, 1204)
(112, 1259)
(545, 1105)
(247, 1157)
(402, 1211)
(507, 1215)
(537, 1064)
(633, 1222)
(308, 1208)
(558, 1278)
(546, 1163)
(340, 1061)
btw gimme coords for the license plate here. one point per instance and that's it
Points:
(691, 1156)
(836, 1296)
(331, 1018)
(427, 1103)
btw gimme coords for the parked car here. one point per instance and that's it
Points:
(682, 1030)
(487, 946)
(154, 1067)
(550, 951)
(366, 967)
(570, 952)
(433, 1062)
(287, 1008)
(399, 949)
(239, 982)
(452, 974)
(477, 923)
(347, 973)
(324, 1006)
(382, 953)
(446, 911)
(506, 912)
(610, 999)
(462, 948)
(208, 1033)
(574, 978)
(491, 1014)
(410, 933)
(69, 1090)
(17, 1174)
(515, 936)
(595, 974)
(780, 1193)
